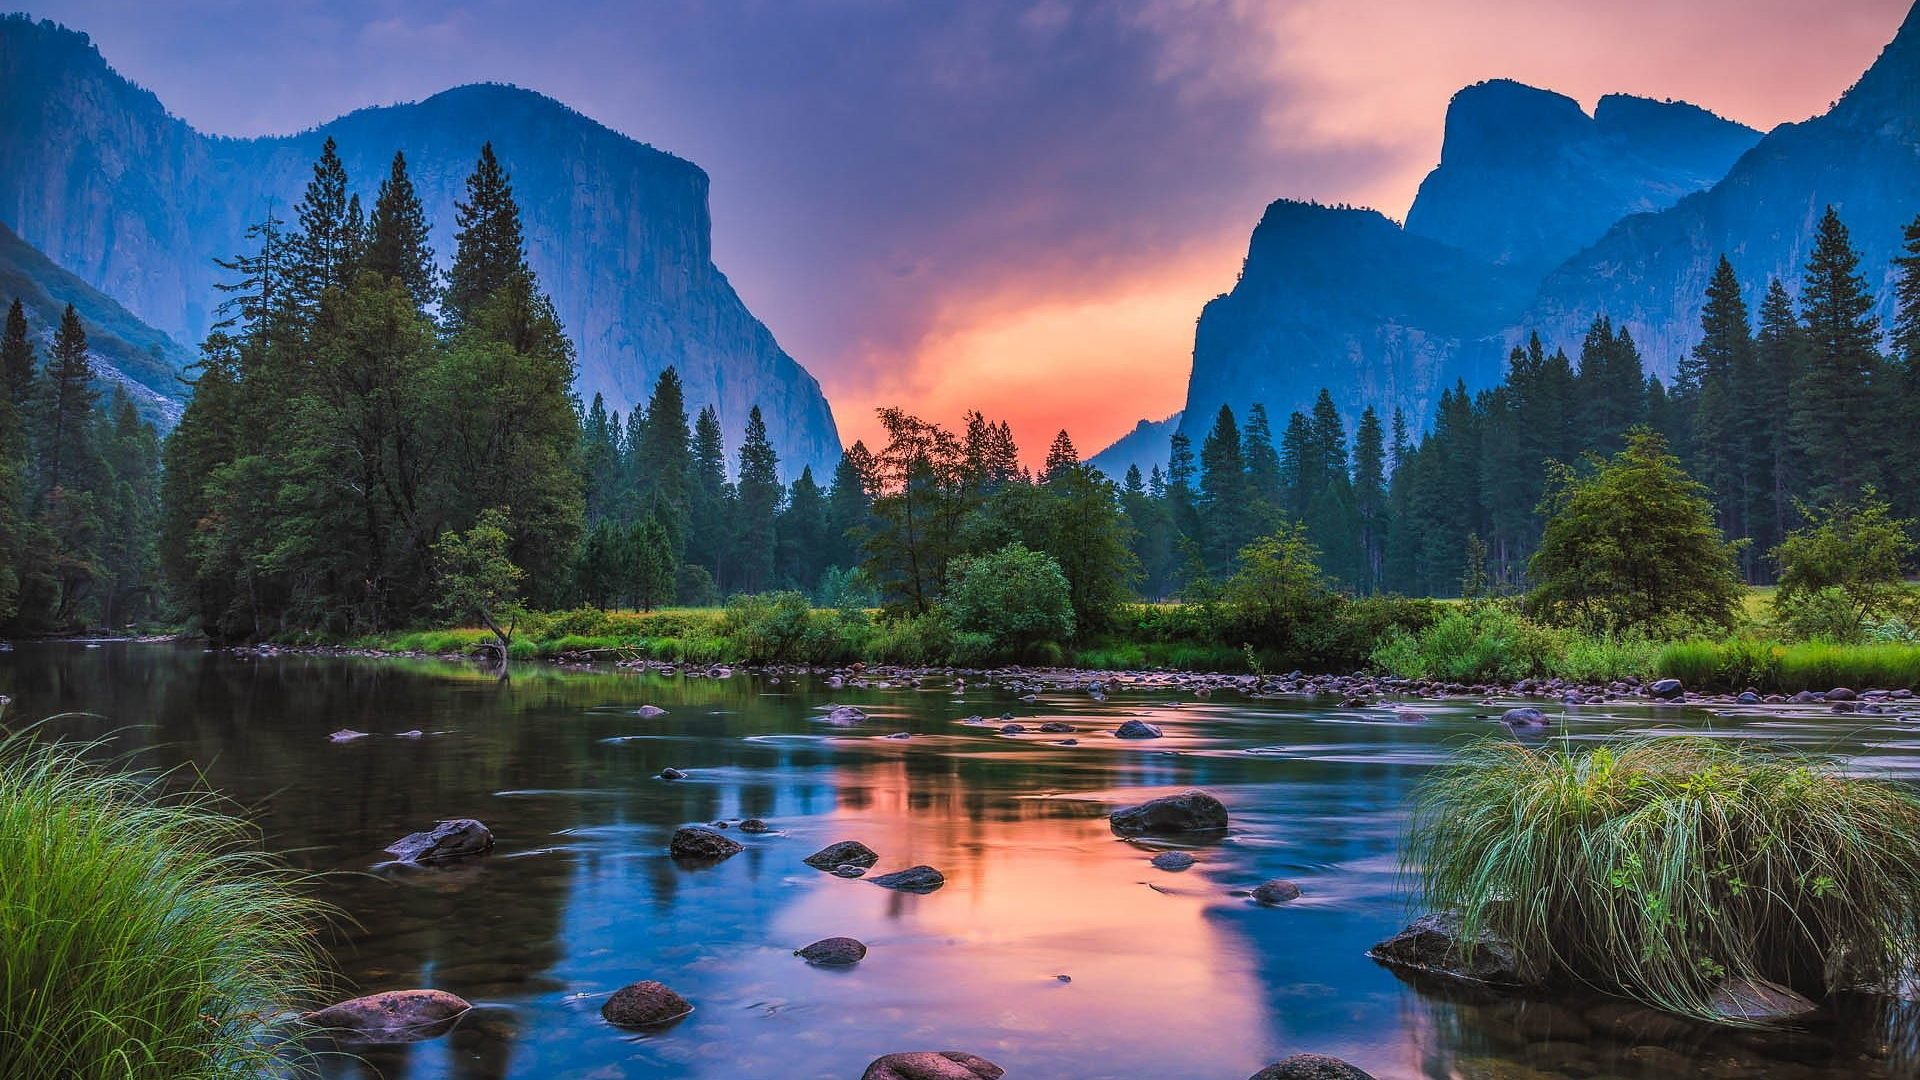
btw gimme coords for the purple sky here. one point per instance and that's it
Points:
(1018, 207)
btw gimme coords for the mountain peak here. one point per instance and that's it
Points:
(1500, 119)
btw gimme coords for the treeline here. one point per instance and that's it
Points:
(1800, 409)
(79, 483)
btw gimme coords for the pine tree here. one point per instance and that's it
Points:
(488, 247)
(323, 250)
(663, 463)
(600, 459)
(16, 358)
(1061, 456)
(1834, 443)
(1263, 461)
(1778, 356)
(1370, 497)
(66, 423)
(802, 529)
(1906, 320)
(847, 507)
(652, 568)
(758, 506)
(1224, 496)
(1721, 368)
(398, 243)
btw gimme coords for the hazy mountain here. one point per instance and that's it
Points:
(1145, 446)
(136, 202)
(1527, 178)
(125, 351)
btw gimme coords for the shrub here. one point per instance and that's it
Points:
(1844, 568)
(927, 638)
(1825, 614)
(1603, 657)
(1483, 641)
(1015, 597)
(1655, 868)
(138, 936)
(1279, 602)
(768, 628)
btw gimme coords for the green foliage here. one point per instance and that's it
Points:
(765, 628)
(143, 937)
(1278, 601)
(1014, 598)
(1740, 663)
(476, 575)
(1653, 868)
(1471, 643)
(1631, 546)
(1844, 568)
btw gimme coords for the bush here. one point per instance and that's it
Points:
(769, 628)
(1483, 641)
(1656, 868)
(141, 938)
(1279, 602)
(1844, 569)
(1825, 614)
(1015, 598)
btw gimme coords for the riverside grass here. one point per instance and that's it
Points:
(140, 937)
(1657, 867)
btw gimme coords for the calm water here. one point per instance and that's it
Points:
(1171, 975)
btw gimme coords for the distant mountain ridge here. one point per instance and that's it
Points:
(134, 201)
(1145, 446)
(1506, 237)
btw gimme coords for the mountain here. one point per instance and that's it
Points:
(125, 351)
(1527, 178)
(104, 181)
(1144, 446)
(1507, 237)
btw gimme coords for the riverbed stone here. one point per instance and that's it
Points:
(843, 853)
(1840, 693)
(850, 870)
(914, 879)
(451, 839)
(702, 843)
(753, 824)
(1525, 718)
(671, 773)
(1757, 1001)
(932, 1065)
(1666, 689)
(1436, 945)
(845, 714)
(648, 712)
(646, 1004)
(1187, 812)
(1275, 892)
(1137, 729)
(1312, 1067)
(1172, 861)
(834, 952)
(1056, 727)
(393, 1016)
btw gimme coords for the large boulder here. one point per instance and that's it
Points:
(1525, 718)
(393, 1016)
(1312, 1067)
(645, 1004)
(1666, 689)
(834, 952)
(1436, 945)
(1187, 812)
(699, 842)
(843, 853)
(1137, 729)
(845, 715)
(931, 1065)
(1757, 1001)
(452, 839)
(914, 879)
(1275, 892)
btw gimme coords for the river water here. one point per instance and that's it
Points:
(1054, 949)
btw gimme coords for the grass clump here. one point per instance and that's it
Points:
(139, 936)
(1657, 868)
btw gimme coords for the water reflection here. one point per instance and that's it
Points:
(1167, 974)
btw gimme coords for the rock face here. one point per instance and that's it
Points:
(932, 1065)
(1187, 812)
(453, 839)
(1434, 945)
(1757, 1001)
(702, 844)
(914, 879)
(843, 853)
(834, 952)
(393, 1016)
(137, 204)
(1312, 1067)
(644, 1005)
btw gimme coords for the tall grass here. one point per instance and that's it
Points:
(1657, 867)
(139, 935)
(1738, 663)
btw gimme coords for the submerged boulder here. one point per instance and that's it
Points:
(845, 714)
(703, 843)
(843, 853)
(1312, 1067)
(932, 1065)
(1757, 1001)
(645, 1004)
(834, 952)
(1172, 861)
(1436, 945)
(1187, 812)
(648, 712)
(393, 1016)
(1277, 891)
(1137, 729)
(1526, 718)
(915, 879)
(451, 839)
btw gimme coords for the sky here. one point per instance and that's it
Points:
(1015, 207)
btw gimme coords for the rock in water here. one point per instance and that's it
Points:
(346, 735)
(1666, 689)
(1277, 891)
(1172, 861)
(915, 879)
(1434, 945)
(834, 952)
(844, 853)
(1056, 727)
(644, 1005)
(1757, 1001)
(930, 1065)
(648, 712)
(1312, 1067)
(1137, 729)
(1524, 719)
(393, 1016)
(451, 839)
(1187, 812)
(701, 843)
(845, 714)
(753, 824)
(671, 773)
(849, 870)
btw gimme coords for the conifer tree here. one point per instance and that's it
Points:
(66, 422)
(1840, 364)
(1061, 456)
(652, 567)
(1778, 357)
(848, 500)
(802, 530)
(1721, 369)
(662, 461)
(1906, 297)
(1229, 522)
(398, 242)
(488, 247)
(323, 250)
(758, 506)
(16, 358)
(1263, 460)
(1370, 497)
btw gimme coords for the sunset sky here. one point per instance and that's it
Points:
(1015, 207)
